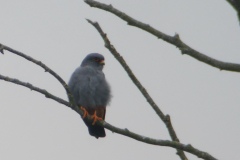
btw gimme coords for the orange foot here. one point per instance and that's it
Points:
(85, 112)
(95, 117)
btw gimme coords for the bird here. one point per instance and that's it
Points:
(91, 92)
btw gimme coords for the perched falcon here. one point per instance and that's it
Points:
(91, 91)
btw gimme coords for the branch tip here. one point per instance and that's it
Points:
(1, 48)
(89, 21)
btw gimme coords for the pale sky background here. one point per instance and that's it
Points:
(203, 101)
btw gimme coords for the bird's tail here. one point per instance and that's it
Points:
(95, 130)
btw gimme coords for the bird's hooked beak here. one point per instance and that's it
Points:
(102, 62)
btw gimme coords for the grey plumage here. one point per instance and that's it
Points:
(90, 89)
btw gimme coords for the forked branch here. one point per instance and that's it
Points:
(165, 119)
(126, 132)
(174, 40)
(46, 68)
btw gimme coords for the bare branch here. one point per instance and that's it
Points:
(47, 69)
(188, 148)
(120, 59)
(125, 132)
(236, 5)
(165, 119)
(30, 86)
(174, 40)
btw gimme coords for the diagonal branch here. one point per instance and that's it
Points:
(126, 132)
(174, 40)
(236, 5)
(165, 119)
(30, 86)
(179, 146)
(47, 69)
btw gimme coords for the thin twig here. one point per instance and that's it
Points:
(174, 40)
(165, 119)
(125, 132)
(47, 69)
(30, 86)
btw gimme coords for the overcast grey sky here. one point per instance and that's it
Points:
(203, 101)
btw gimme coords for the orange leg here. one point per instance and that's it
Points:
(95, 117)
(85, 112)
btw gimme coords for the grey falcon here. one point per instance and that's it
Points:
(91, 91)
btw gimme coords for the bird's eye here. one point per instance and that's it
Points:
(96, 59)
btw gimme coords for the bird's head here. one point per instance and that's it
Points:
(95, 60)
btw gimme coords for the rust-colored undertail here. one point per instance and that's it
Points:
(97, 113)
